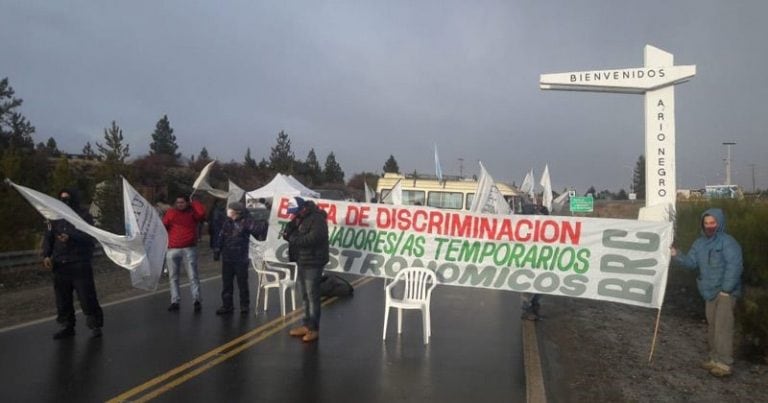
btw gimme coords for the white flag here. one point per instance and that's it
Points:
(546, 183)
(127, 251)
(527, 185)
(143, 221)
(201, 183)
(235, 193)
(488, 198)
(369, 194)
(559, 202)
(395, 196)
(438, 169)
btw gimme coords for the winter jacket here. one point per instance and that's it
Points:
(182, 225)
(233, 240)
(78, 248)
(307, 236)
(718, 260)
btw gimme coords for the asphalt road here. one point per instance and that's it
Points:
(148, 353)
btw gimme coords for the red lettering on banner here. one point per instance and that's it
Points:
(282, 209)
(518, 235)
(436, 222)
(420, 218)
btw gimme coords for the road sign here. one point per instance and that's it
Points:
(582, 204)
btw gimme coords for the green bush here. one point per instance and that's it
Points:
(747, 221)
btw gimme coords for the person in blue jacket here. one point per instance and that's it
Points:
(717, 257)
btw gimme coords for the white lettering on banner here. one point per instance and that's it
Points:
(605, 259)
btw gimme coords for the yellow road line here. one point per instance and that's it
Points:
(219, 354)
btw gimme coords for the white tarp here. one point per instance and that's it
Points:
(281, 185)
(132, 251)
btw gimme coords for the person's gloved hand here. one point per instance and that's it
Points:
(216, 255)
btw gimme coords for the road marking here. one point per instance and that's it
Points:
(534, 379)
(206, 361)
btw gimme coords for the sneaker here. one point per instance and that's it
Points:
(709, 364)
(224, 310)
(311, 335)
(299, 331)
(65, 333)
(173, 307)
(720, 370)
(529, 316)
(96, 333)
(198, 306)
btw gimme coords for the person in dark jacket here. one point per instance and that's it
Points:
(530, 301)
(231, 246)
(181, 222)
(68, 252)
(216, 218)
(307, 236)
(717, 256)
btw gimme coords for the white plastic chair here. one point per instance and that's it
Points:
(280, 278)
(271, 275)
(417, 283)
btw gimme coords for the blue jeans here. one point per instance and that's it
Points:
(173, 260)
(308, 285)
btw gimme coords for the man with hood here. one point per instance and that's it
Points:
(717, 257)
(68, 251)
(231, 245)
(307, 236)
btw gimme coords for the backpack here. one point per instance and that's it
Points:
(335, 286)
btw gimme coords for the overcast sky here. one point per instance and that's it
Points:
(370, 79)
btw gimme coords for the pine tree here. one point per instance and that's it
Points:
(638, 178)
(15, 130)
(113, 152)
(333, 172)
(88, 152)
(391, 165)
(249, 161)
(163, 140)
(282, 159)
(203, 156)
(314, 173)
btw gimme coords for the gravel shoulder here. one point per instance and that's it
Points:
(597, 351)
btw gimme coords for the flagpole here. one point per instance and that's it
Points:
(655, 333)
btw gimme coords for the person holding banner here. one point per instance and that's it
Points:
(530, 301)
(181, 222)
(307, 236)
(717, 256)
(231, 246)
(68, 251)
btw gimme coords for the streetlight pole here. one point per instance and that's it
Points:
(728, 162)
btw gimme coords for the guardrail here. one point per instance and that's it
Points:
(28, 257)
(19, 258)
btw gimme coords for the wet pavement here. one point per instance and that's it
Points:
(148, 353)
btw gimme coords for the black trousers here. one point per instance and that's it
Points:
(229, 271)
(76, 277)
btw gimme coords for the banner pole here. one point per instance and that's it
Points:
(655, 333)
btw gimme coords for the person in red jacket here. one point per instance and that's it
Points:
(181, 222)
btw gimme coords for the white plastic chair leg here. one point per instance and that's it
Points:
(399, 321)
(425, 325)
(386, 316)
